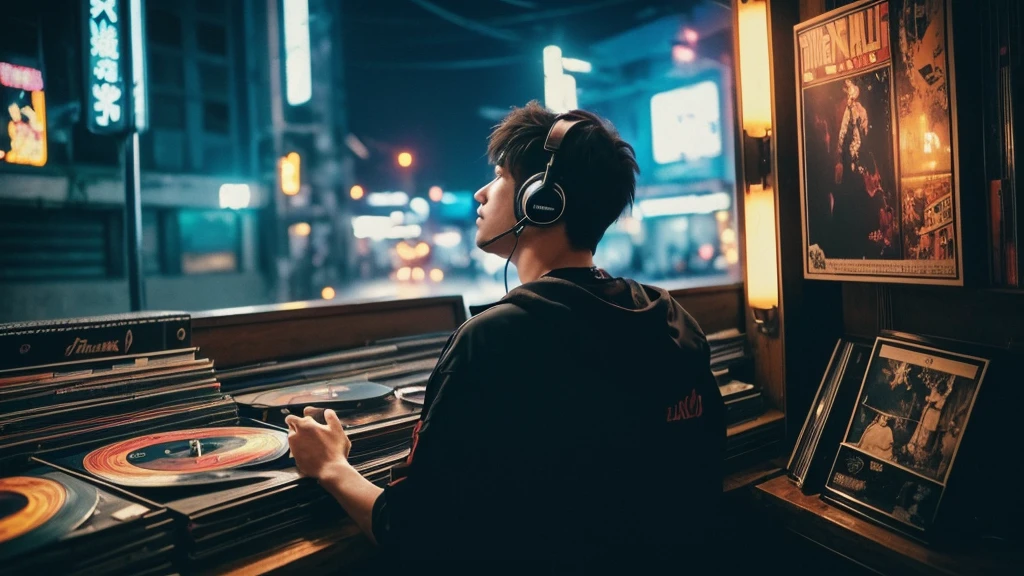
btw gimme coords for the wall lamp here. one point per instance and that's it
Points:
(762, 280)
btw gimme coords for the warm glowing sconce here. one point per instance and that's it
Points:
(762, 266)
(755, 86)
(759, 200)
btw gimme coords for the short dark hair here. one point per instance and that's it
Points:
(597, 169)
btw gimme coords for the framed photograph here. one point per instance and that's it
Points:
(878, 144)
(901, 442)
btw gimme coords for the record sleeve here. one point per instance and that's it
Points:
(826, 419)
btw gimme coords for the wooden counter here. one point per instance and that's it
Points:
(343, 547)
(863, 542)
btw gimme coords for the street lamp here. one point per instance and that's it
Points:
(404, 159)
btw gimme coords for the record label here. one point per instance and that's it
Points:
(35, 511)
(185, 456)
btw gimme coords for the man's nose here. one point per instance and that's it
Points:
(480, 196)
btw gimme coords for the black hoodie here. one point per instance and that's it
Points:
(573, 427)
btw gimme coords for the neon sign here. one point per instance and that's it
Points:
(106, 84)
(22, 116)
(14, 76)
(297, 64)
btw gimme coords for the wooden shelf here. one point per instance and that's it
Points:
(862, 541)
(330, 549)
(770, 416)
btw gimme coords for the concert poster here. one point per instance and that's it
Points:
(879, 187)
(902, 439)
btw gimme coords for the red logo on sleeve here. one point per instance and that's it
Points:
(691, 407)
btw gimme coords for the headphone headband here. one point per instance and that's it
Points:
(558, 132)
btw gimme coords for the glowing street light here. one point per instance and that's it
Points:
(404, 159)
(436, 193)
(300, 229)
(356, 192)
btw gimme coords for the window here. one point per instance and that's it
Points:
(216, 117)
(213, 80)
(211, 7)
(166, 70)
(163, 28)
(166, 111)
(168, 149)
(383, 82)
(212, 38)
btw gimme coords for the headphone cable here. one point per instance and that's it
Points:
(514, 246)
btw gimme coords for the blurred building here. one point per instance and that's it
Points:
(215, 224)
(666, 85)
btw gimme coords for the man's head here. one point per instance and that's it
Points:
(596, 169)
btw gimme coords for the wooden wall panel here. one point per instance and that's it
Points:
(811, 312)
(241, 336)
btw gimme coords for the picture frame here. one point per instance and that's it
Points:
(877, 140)
(905, 431)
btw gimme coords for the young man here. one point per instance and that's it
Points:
(575, 426)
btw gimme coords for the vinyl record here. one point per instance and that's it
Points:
(38, 510)
(335, 394)
(183, 457)
(412, 394)
(735, 387)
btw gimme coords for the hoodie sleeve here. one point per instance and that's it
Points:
(430, 502)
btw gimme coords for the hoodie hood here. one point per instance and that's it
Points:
(577, 295)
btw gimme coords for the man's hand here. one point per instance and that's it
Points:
(319, 450)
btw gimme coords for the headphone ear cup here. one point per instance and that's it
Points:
(525, 191)
(544, 205)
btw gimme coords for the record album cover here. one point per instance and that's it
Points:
(902, 439)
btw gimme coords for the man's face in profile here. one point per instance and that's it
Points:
(495, 213)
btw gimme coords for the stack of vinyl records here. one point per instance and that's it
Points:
(233, 488)
(731, 365)
(54, 523)
(376, 390)
(727, 347)
(75, 382)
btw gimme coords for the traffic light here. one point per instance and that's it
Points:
(289, 173)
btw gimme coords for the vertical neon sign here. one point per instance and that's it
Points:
(297, 65)
(105, 72)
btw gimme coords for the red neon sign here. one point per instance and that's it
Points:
(21, 77)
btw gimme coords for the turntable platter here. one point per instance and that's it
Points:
(197, 456)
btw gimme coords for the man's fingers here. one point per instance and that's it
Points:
(333, 422)
(292, 422)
